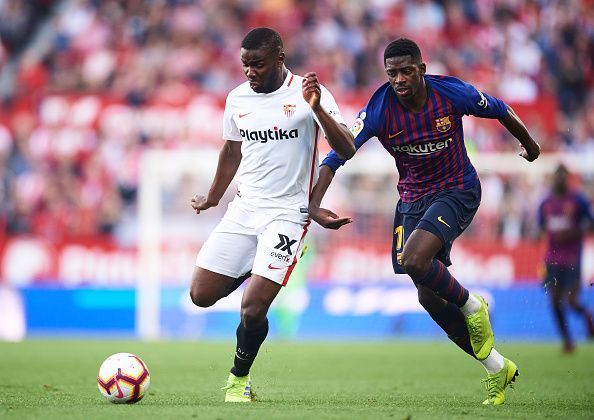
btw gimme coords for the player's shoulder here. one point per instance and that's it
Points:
(580, 197)
(378, 98)
(295, 81)
(448, 84)
(545, 198)
(290, 89)
(381, 92)
(442, 80)
(240, 91)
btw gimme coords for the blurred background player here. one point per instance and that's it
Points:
(271, 126)
(418, 120)
(564, 215)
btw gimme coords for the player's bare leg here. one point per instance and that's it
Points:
(251, 333)
(238, 282)
(208, 287)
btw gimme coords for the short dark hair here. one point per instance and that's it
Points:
(262, 38)
(561, 169)
(402, 47)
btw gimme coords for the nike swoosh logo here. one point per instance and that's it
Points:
(274, 268)
(391, 136)
(440, 218)
(243, 115)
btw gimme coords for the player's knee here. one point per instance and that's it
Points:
(415, 265)
(252, 315)
(201, 299)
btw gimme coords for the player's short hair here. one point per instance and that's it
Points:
(403, 47)
(561, 169)
(263, 38)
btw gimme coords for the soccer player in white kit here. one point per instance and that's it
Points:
(271, 126)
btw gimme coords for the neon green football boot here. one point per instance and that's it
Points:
(479, 329)
(239, 389)
(496, 382)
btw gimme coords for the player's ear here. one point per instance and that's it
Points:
(281, 59)
(423, 68)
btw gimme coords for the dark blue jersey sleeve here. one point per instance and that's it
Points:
(470, 101)
(362, 130)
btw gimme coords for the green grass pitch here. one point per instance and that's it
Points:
(42, 379)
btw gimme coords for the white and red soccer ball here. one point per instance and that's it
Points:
(123, 378)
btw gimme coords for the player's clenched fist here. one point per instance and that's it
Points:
(532, 154)
(311, 89)
(199, 203)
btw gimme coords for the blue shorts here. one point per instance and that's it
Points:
(563, 276)
(446, 214)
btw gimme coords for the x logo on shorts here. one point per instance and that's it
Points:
(285, 243)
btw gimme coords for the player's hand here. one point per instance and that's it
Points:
(532, 154)
(199, 203)
(311, 89)
(327, 218)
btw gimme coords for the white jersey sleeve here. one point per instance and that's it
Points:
(330, 106)
(230, 130)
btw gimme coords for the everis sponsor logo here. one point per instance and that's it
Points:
(423, 149)
(279, 256)
(271, 134)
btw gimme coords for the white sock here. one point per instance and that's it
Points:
(471, 306)
(494, 362)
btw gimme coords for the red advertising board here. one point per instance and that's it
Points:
(100, 262)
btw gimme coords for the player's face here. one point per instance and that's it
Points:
(405, 76)
(263, 68)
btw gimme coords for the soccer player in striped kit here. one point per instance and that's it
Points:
(565, 215)
(271, 126)
(418, 120)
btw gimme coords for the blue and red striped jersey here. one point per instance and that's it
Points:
(428, 146)
(556, 214)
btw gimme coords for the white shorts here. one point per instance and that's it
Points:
(261, 243)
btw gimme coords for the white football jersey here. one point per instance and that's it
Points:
(279, 131)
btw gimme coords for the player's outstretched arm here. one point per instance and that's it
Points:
(229, 160)
(513, 123)
(324, 217)
(339, 137)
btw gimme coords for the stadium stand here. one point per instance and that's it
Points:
(83, 81)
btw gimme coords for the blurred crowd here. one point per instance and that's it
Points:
(88, 85)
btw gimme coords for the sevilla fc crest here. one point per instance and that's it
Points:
(443, 124)
(289, 110)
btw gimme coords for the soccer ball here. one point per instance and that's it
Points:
(123, 378)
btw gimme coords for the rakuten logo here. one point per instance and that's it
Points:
(423, 149)
(271, 134)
